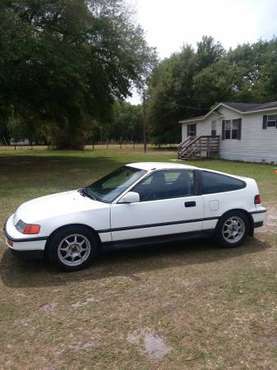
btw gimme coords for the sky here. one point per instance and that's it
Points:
(169, 25)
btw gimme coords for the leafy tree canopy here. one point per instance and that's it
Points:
(66, 61)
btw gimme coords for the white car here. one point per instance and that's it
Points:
(136, 204)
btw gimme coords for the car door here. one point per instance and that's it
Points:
(168, 205)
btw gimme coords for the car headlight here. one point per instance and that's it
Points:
(27, 228)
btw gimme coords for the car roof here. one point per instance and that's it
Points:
(151, 166)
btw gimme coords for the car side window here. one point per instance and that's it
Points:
(165, 185)
(217, 183)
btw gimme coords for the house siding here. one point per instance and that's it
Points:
(203, 128)
(256, 144)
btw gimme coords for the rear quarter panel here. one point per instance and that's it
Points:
(215, 205)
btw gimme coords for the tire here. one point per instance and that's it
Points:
(72, 248)
(233, 229)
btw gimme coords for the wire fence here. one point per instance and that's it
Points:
(98, 146)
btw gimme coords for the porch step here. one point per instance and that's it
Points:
(199, 147)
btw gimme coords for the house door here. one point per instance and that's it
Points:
(191, 130)
(213, 129)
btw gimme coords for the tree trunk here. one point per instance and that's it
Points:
(70, 136)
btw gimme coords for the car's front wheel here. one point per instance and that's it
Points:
(72, 248)
(233, 229)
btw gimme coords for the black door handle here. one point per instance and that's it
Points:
(190, 204)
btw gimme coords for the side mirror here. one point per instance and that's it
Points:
(130, 197)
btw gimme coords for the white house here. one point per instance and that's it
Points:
(235, 131)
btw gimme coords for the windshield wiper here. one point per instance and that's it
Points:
(85, 193)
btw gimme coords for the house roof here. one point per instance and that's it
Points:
(237, 107)
(198, 118)
(250, 107)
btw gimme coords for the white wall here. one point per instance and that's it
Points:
(203, 128)
(256, 144)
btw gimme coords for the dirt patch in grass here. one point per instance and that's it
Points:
(150, 343)
(48, 307)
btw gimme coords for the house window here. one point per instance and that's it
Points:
(235, 128)
(227, 130)
(231, 129)
(270, 121)
(213, 131)
(191, 130)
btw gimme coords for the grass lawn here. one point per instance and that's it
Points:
(190, 305)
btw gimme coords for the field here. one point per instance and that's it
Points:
(190, 305)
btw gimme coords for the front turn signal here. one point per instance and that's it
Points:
(31, 229)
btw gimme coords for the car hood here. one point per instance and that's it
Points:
(55, 205)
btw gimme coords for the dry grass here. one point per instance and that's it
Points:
(180, 306)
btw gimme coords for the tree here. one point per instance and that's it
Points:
(66, 61)
(215, 83)
(127, 123)
(248, 60)
(208, 52)
(267, 83)
(170, 95)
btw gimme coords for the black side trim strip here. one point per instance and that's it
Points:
(255, 212)
(161, 239)
(145, 226)
(26, 239)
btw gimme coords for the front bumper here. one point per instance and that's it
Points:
(18, 242)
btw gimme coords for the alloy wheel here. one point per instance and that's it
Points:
(74, 250)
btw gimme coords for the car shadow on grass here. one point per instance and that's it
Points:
(18, 273)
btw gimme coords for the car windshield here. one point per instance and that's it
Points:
(111, 186)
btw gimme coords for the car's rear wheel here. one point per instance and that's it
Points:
(233, 229)
(73, 248)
